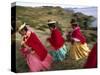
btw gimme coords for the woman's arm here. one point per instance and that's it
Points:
(28, 48)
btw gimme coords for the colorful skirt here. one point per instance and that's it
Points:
(60, 54)
(79, 51)
(35, 64)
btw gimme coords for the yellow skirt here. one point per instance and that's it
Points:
(79, 51)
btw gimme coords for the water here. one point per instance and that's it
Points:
(90, 11)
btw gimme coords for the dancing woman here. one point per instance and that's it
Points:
(33, 50)
(56, 41)
(79, 48)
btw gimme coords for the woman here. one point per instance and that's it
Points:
(35, 53)
(79, 47)
(92, 58)
(56, 40)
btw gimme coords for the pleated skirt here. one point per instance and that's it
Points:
(35, 64)
(79, 51)
(60, 54)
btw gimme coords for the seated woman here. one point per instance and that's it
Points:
(35, 53)
(79, 48)
(56, 41)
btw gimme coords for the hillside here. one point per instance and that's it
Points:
(37, 17)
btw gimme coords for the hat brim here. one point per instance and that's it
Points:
(21, 27)
(52, 22)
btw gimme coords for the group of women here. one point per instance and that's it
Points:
(38, 57)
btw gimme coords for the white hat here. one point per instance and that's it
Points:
(52, 22)
(22, 26)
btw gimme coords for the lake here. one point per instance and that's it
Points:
(90, 11)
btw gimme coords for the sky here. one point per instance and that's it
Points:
(35, 4)
(88, 11)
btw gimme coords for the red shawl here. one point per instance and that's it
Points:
(36, 45)
(77, 34)
(56, 39)
(92, 59)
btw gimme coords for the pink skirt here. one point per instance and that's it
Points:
(35, 64)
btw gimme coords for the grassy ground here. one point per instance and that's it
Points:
(67, 64)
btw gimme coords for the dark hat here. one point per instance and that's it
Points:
(73, 21)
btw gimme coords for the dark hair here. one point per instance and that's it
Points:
(52, 25)
(74, 25)
(25, 28)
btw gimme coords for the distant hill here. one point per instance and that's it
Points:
(37, 17)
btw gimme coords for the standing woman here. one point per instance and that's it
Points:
(56, 41)
(79, 48)
(33, 50)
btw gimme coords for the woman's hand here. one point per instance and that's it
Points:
(72, 41)
(24, 45)
(32, 52)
